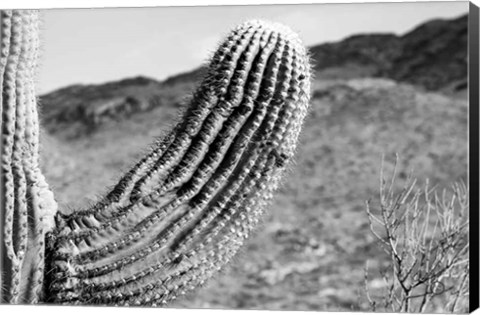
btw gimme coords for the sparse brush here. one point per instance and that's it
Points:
(425, 235)
(179, 214)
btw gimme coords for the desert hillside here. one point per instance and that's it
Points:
(433, 57)
(374, 95)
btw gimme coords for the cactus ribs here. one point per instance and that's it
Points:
(180, 213)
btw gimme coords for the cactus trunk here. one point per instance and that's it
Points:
(183, 211)
(27, 205)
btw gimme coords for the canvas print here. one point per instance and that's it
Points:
(276, 157)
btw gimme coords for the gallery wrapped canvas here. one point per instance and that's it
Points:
(281, 157)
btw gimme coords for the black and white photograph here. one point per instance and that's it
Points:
(281, 157)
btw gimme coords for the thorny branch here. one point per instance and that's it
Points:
(425, 234)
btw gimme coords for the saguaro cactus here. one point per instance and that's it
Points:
(27, 205)
(183, 210)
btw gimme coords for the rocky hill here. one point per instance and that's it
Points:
(433, 56)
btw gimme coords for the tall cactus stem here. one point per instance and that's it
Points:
(27, 205)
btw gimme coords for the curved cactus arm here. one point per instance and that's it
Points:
(184, 210)
(27, 206)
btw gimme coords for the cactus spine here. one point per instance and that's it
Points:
(182, 211)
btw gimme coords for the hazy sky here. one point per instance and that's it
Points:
(99, 45)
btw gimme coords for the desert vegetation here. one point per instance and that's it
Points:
(425, 235)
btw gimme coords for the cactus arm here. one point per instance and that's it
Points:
(183, 211)
(27, 205)
(179, 214)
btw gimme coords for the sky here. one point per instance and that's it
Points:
(89, 46)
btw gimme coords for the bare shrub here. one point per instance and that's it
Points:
(424, 232)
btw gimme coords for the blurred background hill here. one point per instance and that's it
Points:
(373, 94)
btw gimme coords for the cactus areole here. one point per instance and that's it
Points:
(182, 211)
